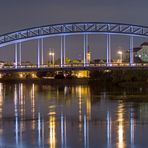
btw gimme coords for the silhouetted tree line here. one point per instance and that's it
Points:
(116, 76)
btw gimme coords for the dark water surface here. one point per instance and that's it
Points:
(78, 116)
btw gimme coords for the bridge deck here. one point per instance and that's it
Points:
(90, 67)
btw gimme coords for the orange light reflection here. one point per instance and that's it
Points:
(121, 142)
(52, 132)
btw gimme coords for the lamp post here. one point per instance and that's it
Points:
(52, 54)
(120, 53)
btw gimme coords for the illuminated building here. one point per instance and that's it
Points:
(82, 74)
(88, 56)
(140, 53)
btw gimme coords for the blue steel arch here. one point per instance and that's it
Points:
(73, 28)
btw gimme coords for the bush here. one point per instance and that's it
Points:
(59, 76)
(41, 74)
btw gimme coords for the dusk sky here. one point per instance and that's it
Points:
(20, 14)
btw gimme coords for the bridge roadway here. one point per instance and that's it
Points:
(74, 67)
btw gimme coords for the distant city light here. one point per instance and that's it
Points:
(120, 54)
(21, 75)
(53, 59)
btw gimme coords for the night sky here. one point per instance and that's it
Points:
(20, 14)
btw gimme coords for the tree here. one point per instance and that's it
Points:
(67, 60)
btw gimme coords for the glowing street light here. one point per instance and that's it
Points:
(120, 53)
(52, 54)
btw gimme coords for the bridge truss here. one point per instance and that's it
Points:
(65, 29)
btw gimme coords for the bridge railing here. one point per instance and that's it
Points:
(74, 66)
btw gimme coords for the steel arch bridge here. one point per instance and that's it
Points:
(66, 29)
(73, 28)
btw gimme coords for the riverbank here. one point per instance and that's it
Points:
(76, 81)
(121, 78)
(47, 81)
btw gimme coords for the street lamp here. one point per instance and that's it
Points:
(120, 54)
(52, 54)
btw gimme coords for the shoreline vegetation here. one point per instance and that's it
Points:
(122, 78)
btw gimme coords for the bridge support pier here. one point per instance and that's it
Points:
(85, 49)
(38, 53)
(131, 50)
(42, 51)
(61, 64)
(20, 53)
(63, 51)
(16, 54)
(64, 46)
(108, 50)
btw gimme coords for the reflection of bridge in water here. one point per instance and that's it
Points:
(54, 124)
(63, 31)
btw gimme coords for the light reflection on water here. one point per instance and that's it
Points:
(120, 118)
(43, 116)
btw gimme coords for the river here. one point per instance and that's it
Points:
(72, 116)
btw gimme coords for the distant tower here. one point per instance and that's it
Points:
(88, 56)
